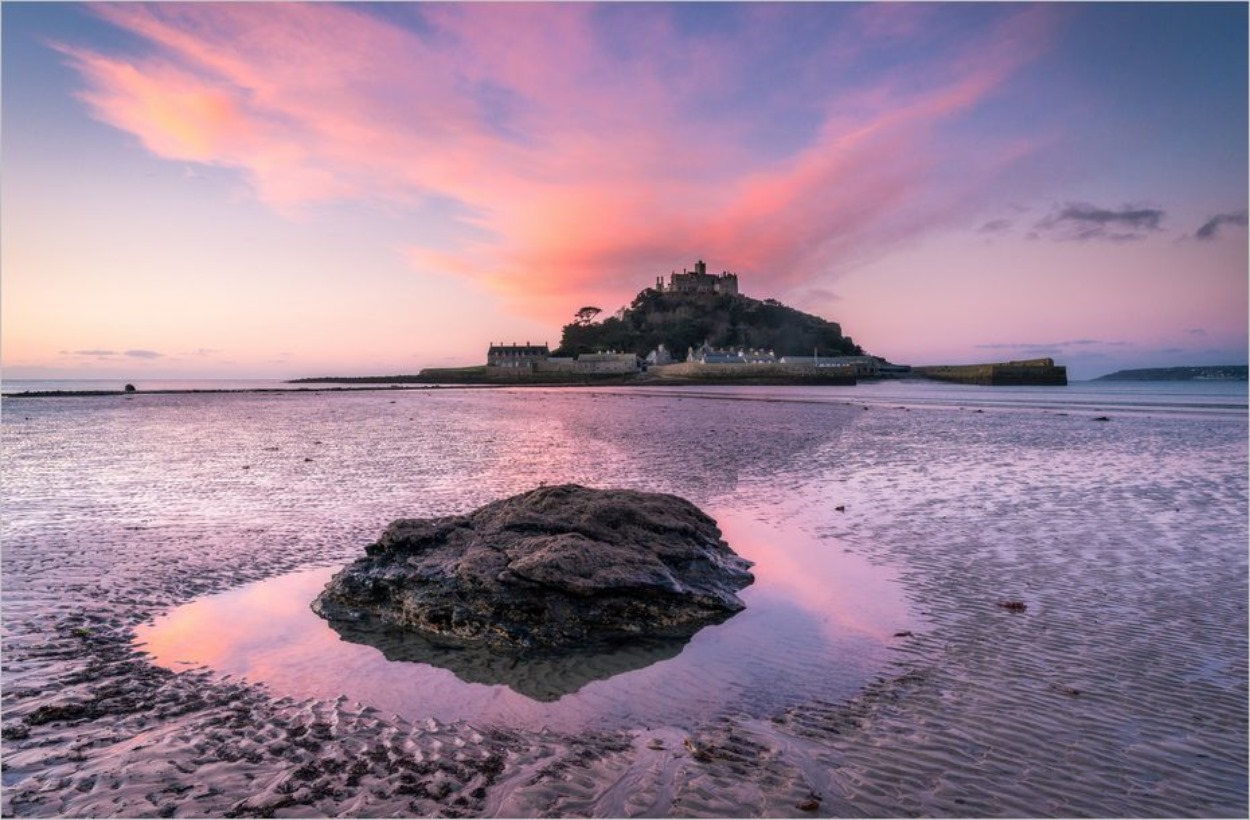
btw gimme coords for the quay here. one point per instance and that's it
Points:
(1026, 372)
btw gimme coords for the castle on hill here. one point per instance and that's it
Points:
(698, 281)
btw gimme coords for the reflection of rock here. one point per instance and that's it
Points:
(543, 677)
(556, 567)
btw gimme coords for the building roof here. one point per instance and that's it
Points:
(516, 348)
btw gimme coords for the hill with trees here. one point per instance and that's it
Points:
(680, 321)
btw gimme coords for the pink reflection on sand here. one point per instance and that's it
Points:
(249, 631)
(843, 590)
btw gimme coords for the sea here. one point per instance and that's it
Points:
(1032, 600)
(8, 386)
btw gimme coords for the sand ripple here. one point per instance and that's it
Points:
(1118, 689)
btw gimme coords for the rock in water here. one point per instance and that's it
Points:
(563, 566)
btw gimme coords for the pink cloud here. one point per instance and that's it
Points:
(590, 157)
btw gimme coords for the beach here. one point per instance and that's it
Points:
(969, 602)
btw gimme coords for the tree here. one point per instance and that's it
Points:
(680, 321)
(586, 315)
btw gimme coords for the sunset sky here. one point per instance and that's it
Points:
(283, 190)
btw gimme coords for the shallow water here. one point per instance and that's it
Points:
(818, 623)
(1120, 689)
(48, 385)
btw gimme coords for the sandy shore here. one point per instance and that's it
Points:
(1059, 670)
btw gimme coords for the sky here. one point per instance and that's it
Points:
(283, 190)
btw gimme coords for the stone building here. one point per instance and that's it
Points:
(515, 355)
(556, 364)
(607, 363)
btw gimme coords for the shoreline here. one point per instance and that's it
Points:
(1067, 703)
(1038, 373)
(375, 386)
(53, 394)
(505, 379)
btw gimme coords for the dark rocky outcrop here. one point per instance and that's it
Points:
(554, 568)
(684, 320)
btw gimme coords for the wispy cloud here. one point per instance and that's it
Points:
(1067, 344)
(1211, 228)
(1082, 221)
(996, 226)
(104, 353)
(581, 144)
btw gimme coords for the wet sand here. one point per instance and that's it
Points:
(1081, 652)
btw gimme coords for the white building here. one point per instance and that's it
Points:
(711, 355)
(660, 356)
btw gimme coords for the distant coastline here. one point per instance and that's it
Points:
(185, 391)
(1228, 373)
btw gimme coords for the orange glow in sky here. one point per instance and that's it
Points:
(294, 189)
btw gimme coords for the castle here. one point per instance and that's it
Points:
(698, 281)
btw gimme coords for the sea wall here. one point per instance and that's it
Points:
(759, 373)
(681, 373)
(515, 375)
(1026, 372)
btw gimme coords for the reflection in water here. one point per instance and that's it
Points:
(818, 623)
(546, 677)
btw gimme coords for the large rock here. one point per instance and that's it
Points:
(556, 567)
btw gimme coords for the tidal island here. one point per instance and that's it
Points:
(699, 328)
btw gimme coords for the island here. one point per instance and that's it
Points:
(1223, 372)
(699, 328)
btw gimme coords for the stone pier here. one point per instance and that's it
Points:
(1027, 372)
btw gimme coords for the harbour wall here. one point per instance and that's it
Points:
(1027, 372)
(757, 373)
